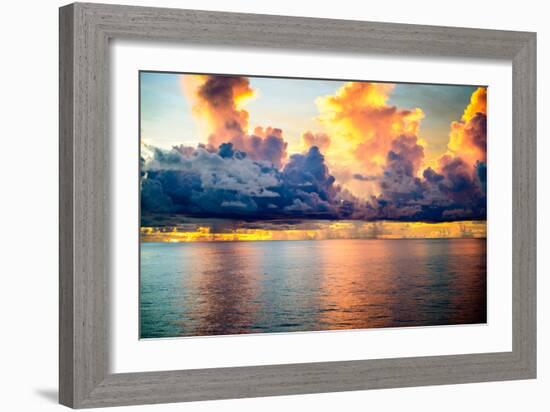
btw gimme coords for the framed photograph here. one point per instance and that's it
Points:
(256, 205)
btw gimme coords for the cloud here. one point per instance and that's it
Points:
(363, 178)
(363, 125)
(468, 136)
(399, 181)
(321, 140)
(233, 204)
(298, 206)
(153, 197)
(200, 181)
(217, 103)
(478, 104)
(265, 144)
(229, 183)
(455, 190)
(309, 185)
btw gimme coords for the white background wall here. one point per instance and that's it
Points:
(28, 205)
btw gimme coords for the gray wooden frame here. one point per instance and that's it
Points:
(85, 31)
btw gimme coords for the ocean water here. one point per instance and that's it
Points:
(225, 288)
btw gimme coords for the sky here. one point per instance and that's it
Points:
(167, 118)
(255, 148)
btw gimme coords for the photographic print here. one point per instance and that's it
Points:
(296, 205)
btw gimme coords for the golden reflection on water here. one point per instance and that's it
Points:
(252, 287)
(223, 300)
(205, 230)
(346, 295)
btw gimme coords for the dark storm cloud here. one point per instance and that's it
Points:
(477, 131)
(266, 144)
(399, 182)
(455, 192)
(229, 183)
(309, 185)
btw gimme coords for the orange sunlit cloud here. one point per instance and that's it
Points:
(362, 127)
(321, 140)
(215, 113)
(467, 138)
(218, 104)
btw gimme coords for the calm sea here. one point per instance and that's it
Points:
(222, 288)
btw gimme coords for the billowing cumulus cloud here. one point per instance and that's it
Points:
(468, 137)
(478, 104)
(199, 181)
(229, 183)
(264, 144)
(399, 180)
(456, 190)
(363, 125)
(308, 184)
(217, 102)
